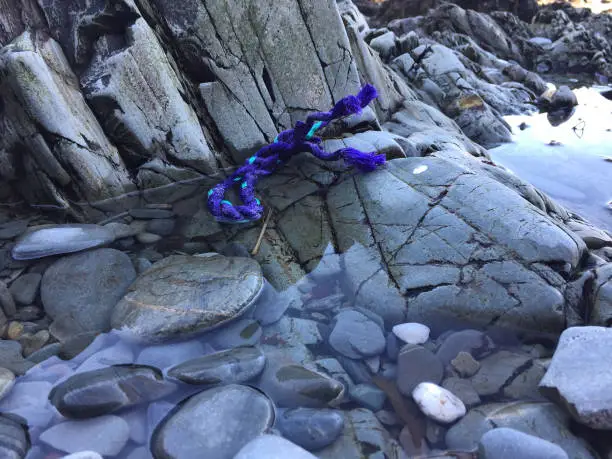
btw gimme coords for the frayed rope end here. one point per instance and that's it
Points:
(365, 162)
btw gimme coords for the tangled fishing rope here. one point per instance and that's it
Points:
(288, 143)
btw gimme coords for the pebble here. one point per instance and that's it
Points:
(412, 332)
(12, 229)
(84, 455)
(29, 313)
(463, 389)
(15, 330)
(292, 386)
(182, 295)
(142, 264)
(465, 365)
(161, 226)
(471, 341)
(107, 435)
(15, 442)
(272, 447)
(327, 303)
(80, 291)
(25, 288)
(60, 239)
(310, 428)
(271, 305)
(33, 342)
(215, 423)
(148, 238)
(388, 418)
(368, 396)
(104, 391)
(438, 403)
(244, 332)
(506, 443)
(6, 300)
(356, 336)
(416, 364)
(122, 230)
(12, 359)
(226, 367)
(7, 380)
(45, 353)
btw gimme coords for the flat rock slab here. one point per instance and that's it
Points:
(356, 336)
(80, 291)
(183, 295)
(217, 423)
(57, 240)
(580, 376)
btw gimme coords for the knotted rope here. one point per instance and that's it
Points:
(288, 143)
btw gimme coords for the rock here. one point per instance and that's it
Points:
(497, 370)
(12, 359)
(84, 455)
(416, 364)
(7, 302)
(98, 392)
(148, 238)
(602, 296)
(12, 229)
(25, 288)
(570, 379)
(385, 45)
(146, 214)
(272, 447)
(45, 353)
(107, 435)
(463, 390)
(7, 379)
(543, 420)
(33, 342)
(142, 264)
(563, 97)
(293, 386)
(57, 240)
(226, 367)
(465, 365)
(81, 290)
(244, 332)
(182, 295)
(217, 423)
(168, 355)
(525, 385)
(15, 442)
(311, 428)
(355, 336)
(473, 342)
(29, 314)
(162, 226)
(505, 443)
(412, 333)
(368, 396)
(438, 403)
(271, 305)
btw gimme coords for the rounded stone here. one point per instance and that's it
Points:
(217, 423)
(84, 455)
(56, 240)
(473, 342)
(25, 288)
(148, 238)
(15, 442)
(107, 435)
(412, 332)
(272, 447)
(356, 336)
(311, 428)
(183, 295)
(226, 367)
(7, 380)
(80, 291)
(506, 443)
(104, 391)
(438, 403)
(416, 364)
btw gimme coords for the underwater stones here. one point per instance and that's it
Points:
(497, 370)
(505, 443)
(217, 423)
(170, 354)
(56, 240)
(356, 336)
(473, 342)
(293, 386)
(243, 332)
(438, 403)
(182, 295)
(106, 435)
(7, 379)
(80, 291)
(272, 447)
(578, 378)
(104, 391)
(226, 367)
(310, 428)
(11, 357)
(412, 333)
(25, 288)
(14, 442)
(416, 364)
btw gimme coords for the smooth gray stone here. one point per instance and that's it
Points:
(12, 229)
(368, 396)
(98, 392)
(272, 447)
(243, 332)
(107, 435)
(233, 366)
(416, 364)
(25, 288)
(80, 291)
(162, 226)
(578, 377)
(14, 443)
(311, 428)
(463, 389)
(217, 423)
(57, 240)
(505, 443)
(11, 357)
(183, 295)
(473, 342)
(356, 336)
(7, 380)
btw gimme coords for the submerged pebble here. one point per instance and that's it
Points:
(311, 428)
(412, 333)
(438, 403)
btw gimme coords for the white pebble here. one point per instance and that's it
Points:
(84, 455)
(438, 403)
(412, 332)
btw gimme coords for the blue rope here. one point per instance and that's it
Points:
(288, 143)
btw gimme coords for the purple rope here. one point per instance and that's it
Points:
(287, 144)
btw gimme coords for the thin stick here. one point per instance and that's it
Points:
(261, 234)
